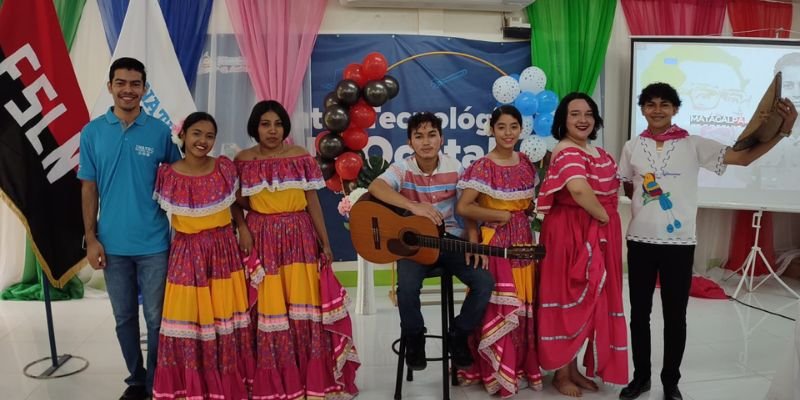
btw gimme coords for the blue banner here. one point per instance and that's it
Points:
(447, 76)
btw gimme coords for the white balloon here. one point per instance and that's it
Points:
(551, 143)
(533, 147)
(532, 79)
(527, 126)
(505, 89)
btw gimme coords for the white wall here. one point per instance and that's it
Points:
(478, 25)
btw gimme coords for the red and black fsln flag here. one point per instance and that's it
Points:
(41, 116)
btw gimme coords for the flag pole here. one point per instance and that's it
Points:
(56, 361)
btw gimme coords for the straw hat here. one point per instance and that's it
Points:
(761, 129)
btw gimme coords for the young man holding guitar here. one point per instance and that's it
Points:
(425, 185)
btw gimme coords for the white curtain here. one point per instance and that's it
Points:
(714, 228)
(12, 247)
(713, 238)
(224, 90)
(90, 54)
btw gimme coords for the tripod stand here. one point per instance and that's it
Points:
(749, 265)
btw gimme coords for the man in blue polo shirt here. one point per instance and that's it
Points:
(119, 154)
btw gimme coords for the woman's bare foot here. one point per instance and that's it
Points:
(562, 383)
(583, 382)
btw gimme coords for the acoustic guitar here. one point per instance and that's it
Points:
(382, 235)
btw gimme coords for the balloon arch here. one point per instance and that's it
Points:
(348, 113)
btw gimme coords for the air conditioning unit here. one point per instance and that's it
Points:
(472, 5)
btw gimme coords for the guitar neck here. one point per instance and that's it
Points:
(460, 246)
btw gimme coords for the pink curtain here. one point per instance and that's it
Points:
(676, 17)
(757, 18)
(276, 38)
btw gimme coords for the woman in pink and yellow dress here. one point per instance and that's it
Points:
(498, 191)
(205, 345)
(304, 343)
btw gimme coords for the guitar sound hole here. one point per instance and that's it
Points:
(410, 238)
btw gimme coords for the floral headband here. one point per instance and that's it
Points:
(176, 130)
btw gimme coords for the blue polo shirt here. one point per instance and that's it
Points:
(123, 163)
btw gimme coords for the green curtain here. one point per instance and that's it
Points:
(30, 288)
(569, 40)
(69, 15)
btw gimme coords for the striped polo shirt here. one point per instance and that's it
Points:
(437, 188)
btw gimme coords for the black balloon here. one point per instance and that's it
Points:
(335, 119)
(330, 146)
(327, 166)
(376, 93)
(392, 86)
(347, 92)
(330, 100)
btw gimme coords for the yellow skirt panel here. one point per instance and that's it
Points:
(507, 205)
(289, 200)
(220, 300)
(301, 284)
(524, 280)
(271, 300)
(187, 224)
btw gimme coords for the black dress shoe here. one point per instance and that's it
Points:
(634, 389)
(672, 393)
(136, 392)
(459, 351)
(415, 352)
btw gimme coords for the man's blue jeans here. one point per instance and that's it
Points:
(409, 282)
(125, 277)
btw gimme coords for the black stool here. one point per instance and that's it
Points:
(448, 315)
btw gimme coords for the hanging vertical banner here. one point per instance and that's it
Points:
(41, 115)
(144, 36)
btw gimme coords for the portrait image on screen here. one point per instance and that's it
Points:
(720, 83)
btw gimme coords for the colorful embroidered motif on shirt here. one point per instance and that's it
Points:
(651, 191)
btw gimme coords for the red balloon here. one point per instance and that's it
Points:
(318, 138)
(355, 73)
(374, 66)
(334, 183)
(355, 138)
(348, 165)
(362, 115)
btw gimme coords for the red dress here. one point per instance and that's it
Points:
(580, 291)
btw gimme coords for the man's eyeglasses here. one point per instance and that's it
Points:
(707, 97)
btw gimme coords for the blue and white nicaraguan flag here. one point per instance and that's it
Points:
(144, 36)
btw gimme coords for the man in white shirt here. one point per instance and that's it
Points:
(659, 169)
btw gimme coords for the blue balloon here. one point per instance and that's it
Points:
(515, 76)
(542, 124)
(548, 101)
(526, 103)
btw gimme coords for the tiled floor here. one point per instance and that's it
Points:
(732, 351)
